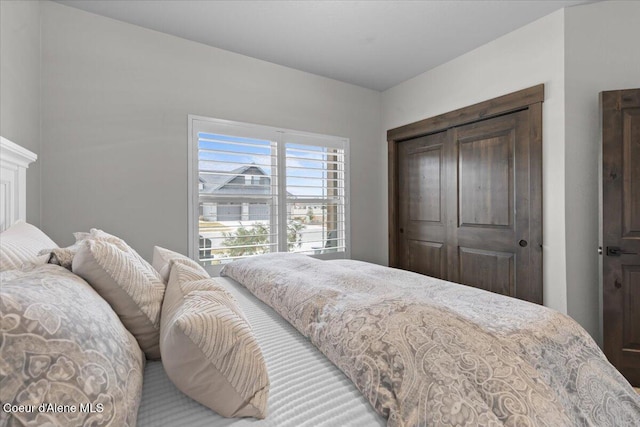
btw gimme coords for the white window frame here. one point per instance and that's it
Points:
(281, 136)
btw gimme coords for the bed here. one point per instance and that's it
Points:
(306, 388)
(106, 338)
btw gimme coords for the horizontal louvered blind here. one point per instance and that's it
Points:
(315, 197)
(236, 192)
(244, 209)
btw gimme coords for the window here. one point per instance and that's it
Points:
(257, 189)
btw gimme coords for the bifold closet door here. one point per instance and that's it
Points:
(422, 212)
(464, 206)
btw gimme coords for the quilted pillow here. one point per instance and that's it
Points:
(21, 244)
(61, 343)
(208, 348)
(127, 282)
(162, 259)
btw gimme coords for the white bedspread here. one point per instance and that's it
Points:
(306, 388)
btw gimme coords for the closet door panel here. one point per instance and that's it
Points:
(489, 270)
(421, 230)
(493, 203)
(486, 180)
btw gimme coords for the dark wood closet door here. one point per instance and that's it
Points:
(621, 230)
(489, 241)
(465, 195)
(422, 195)
(468, 198)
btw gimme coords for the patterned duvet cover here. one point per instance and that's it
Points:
(65, 357)
(426, 352)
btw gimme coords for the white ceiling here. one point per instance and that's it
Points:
(374, 44)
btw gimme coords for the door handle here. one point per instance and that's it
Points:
(616, 251)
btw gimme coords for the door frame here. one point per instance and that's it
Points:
(526, 99)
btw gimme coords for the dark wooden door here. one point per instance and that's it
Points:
(464, 207)
(490, 243)
(468, 205)
(621, 230)
(422, 208)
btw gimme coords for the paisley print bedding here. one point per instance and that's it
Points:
(426, 352)
(63, 346)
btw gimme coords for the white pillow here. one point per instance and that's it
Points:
(162, 259)
(20, 244)
(127, 282)
(208, 348)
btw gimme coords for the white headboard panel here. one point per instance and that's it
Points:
(14, 161)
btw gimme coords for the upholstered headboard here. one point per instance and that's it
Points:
(14, 161)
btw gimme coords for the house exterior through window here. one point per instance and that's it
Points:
(248, 180)
(257, 189)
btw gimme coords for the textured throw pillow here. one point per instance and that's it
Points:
(208, 348)
(20, 244)
(97, 234)
(162, 259)
(64, 256)
(127, 282)
(62, 344)
(60, 256)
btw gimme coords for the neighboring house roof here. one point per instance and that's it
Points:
(220, 182)
(216, 181)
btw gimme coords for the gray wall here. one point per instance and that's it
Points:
(115, 100)
(602, 53)
(20, 87)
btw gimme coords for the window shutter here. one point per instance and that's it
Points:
(315, 198)
(236, 199)
(241, 207)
